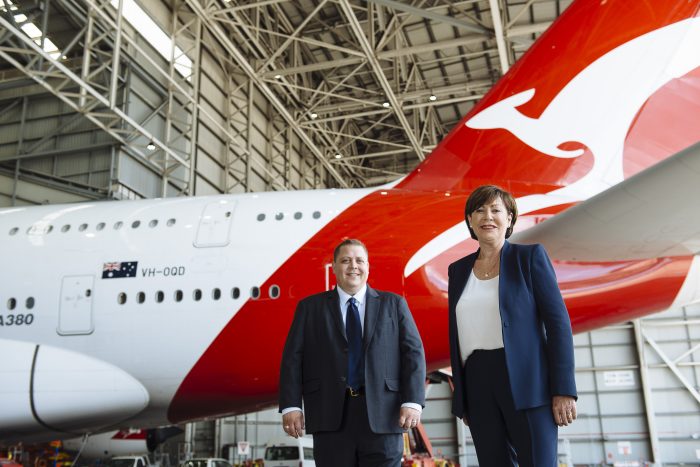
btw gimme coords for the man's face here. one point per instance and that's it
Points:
(351, 268)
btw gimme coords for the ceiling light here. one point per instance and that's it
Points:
(314, 115)
(278, 76)
(151, 146)
(386, 105)
(338, 156)
(432, 98)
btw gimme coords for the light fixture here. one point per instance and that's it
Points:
(386, 105)
(338, 156)
(151, 146)
(278, 76)
(314, 115)
(432, 98)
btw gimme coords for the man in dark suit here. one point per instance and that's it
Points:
(355, 357)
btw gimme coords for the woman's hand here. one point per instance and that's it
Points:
(563, 410)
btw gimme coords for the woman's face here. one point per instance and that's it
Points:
(490, 221)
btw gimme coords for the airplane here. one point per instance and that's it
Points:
(156, 312)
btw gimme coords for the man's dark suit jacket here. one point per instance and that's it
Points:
(536, 328)
(315, 359)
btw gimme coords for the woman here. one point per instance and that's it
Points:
(511, 345)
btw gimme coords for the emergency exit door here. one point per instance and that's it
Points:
(215, 224)
(75, 310)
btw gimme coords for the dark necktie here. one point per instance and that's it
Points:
(353, 331)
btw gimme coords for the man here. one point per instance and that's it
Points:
(355, 356)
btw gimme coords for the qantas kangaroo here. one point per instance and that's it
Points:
(147, 313)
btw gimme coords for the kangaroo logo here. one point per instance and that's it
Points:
(596, 108)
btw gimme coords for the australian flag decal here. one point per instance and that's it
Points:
(119, 270)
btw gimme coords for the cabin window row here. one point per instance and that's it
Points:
(198, 294)
(13, 303)
(280, 216)
(47, 229)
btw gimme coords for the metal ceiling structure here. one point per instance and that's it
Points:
(369, 88)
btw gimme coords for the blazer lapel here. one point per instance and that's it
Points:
(371, 315)
(461, 277)
(333, 308)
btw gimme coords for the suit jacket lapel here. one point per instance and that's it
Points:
(371, 315)
(333, 308)
(461, 277)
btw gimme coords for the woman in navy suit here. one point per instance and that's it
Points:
(511, 345)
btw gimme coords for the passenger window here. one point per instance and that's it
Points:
(316, 214)
(160, 296)
(197, 295)
(153, 223)
(83, 227)
(274, 291)
(14, 230)
(11, 304)
(135, 224)
(118, 225)
(297, 215)
(171, 222)
(261, 217)
(29, 303)
(65, 228)
(100, 226)
(178, 295)
(235, 293)
(49, 229)
(121, 298)
(255, 292)
(216, 294)
(141, 297)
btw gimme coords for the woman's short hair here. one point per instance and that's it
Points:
(485, 194)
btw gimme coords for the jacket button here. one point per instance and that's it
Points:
(342, 378)
(505, 324)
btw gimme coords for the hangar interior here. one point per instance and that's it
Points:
(129, 100)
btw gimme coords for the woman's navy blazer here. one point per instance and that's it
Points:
(536, 328)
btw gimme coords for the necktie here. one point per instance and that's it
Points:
(353, 331)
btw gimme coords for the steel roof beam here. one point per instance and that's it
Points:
(224, 39)
(381, 77)
(400, 6)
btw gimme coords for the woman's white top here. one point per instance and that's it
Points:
(478, 317)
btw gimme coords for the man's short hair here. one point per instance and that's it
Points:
(486, 194)
(346, 242)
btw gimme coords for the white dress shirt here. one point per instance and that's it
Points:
(360, 296)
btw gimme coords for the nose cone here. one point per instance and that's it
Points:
(48, 390)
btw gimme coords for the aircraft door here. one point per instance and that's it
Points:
(75, 310)
(215, 225)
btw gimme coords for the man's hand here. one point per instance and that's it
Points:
(408, 418)
(293, 423)
(563, 410)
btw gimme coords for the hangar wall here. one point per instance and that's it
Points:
(222, 134)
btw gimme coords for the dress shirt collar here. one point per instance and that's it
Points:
(359, 296)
